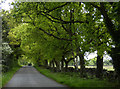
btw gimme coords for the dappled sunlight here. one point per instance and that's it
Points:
(77, 40)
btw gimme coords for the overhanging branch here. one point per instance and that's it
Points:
(62, 21)
(54, 35)
(57, 7)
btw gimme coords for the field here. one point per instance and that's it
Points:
(74, 81)
(109, 68)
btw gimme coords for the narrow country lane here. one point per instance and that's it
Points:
(30, 77)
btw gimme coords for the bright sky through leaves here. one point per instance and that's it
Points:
(5, 4)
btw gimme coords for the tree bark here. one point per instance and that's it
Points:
(62, 64)
(82, 65)
(57, 66)
(46, 63)
(50, 64)
(66, 66)
(75, 64)
(53, 65)
(115, 53)
(99, 71)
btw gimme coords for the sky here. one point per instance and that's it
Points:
(6, 6)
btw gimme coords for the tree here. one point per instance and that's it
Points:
(113, 29)
(56, 32)
(9, 60)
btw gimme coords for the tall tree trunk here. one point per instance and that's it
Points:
(115, 54)
(57, 66)
(46, 63)
(66, 63)
(99, 71)
(75, 64)
(82, 62)
(82, 65)
(62, 64)
(50, 64)
(66, 66)
(53, 64)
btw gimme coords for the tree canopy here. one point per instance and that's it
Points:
(62, 31)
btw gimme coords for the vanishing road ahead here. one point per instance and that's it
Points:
(30, 77)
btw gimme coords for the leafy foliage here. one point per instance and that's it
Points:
(53, 31)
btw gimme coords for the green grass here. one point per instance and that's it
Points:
(0, 80)
(109, 68)
(8, 75)
(72, 80)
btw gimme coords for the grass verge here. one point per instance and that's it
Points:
(73, 81)
(8, 75)
(0, 80)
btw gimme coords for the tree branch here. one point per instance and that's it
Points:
(95, 6)
(64, 28)
(62, 21)
(54, 35)
(57, 7)
(108, 21)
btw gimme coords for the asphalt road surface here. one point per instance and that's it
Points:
(30, 77)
